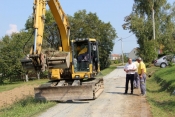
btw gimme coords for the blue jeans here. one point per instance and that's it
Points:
(136, 80)
(143, 84)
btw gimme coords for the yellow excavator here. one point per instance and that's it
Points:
(72, 67)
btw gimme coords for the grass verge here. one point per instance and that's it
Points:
(7, 86)
(106, 71)
(159, 90)
(26, 108)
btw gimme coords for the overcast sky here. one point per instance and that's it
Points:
(14, 13)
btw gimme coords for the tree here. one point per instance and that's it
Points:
(88, 25)
(140, 23)
(11, 52)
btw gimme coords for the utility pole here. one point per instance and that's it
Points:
(153, 23)
(122, 50)
(154, 35)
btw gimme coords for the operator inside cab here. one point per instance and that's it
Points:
(82, 55)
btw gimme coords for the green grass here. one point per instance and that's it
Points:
(26, 108)
(159, 90)
(7, 86)
(107, 70)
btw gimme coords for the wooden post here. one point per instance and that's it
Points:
(38, 75)
(27, 78)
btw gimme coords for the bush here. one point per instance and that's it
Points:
(148, 65)
(170, 64)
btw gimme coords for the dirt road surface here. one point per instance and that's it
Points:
(111, 103)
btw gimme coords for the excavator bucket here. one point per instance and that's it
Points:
(58, 60)
(27, 63)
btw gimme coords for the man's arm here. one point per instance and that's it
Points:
(134, 68)
(142, 71)
(125, 69)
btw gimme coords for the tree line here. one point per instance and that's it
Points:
(83, 25)
(140, 23)
(17, 45)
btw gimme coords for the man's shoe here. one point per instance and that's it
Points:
(125, 93)
(131, 93)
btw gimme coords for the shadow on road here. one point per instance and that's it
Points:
(122, 93)
(115, 92)
(74, 101)
(120, 87)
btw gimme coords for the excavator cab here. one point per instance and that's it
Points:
(85, 59)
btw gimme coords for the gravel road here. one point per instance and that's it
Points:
(111, 103)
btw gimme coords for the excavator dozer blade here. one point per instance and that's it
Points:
(64, 92)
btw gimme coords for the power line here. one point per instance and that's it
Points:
(130, 40)
(121, 39)
(128, 36)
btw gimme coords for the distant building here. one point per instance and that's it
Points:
(114, 56)
(133, 54)
(126, 54)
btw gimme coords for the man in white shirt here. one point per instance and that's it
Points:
(130, 72)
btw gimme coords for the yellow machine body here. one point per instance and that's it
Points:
(67, 66)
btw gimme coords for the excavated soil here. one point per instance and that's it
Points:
(9, 97)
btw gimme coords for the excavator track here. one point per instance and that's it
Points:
(70, 90)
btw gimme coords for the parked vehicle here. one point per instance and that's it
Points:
(161, 62)
(173, 59)
(164, 60)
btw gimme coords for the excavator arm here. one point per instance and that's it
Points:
(39, 19)
(62, 23)
(57, 59)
